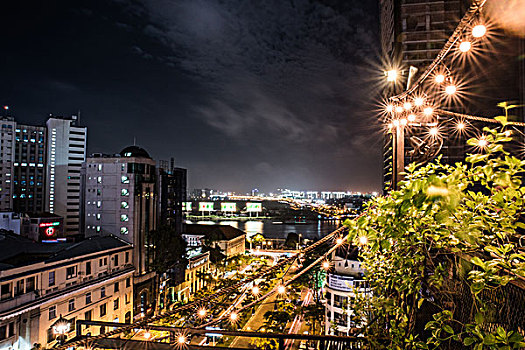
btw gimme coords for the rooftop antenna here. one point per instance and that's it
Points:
(134, 141)
(78, 120)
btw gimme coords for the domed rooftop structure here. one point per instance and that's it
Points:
(134, 151)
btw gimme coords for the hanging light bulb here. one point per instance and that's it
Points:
(465, 46)
(479, 31)
(281, 289)
(428, 111)
(326, 265)
(391, 75)
(482, 142)
(418, 101)
(439, 78)
(407, 106)
(390, 108)
(411, 118)
(451, 89)
(234, 316)
(433, 131)
(460, 126)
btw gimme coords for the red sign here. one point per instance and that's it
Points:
(50, 231)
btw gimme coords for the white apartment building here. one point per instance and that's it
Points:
(344, 280)
(66, 152)
(39, 283)
(7, 159)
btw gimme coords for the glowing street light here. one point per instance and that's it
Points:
(439, 78)
(256, 290)
(363, 240)
(326, 265)
(418, 101)
(428, 111)
(202, 312)
(407, 106)
(460, 126)
(479, 31)
(411, 118)
(396, 123)
(389, 108)
(181, 339)
(482, 142)
(433, 131)
(281, 289)
(147, 335)
(403, 121)
(399, 109)
(339, 240)
(234, 316)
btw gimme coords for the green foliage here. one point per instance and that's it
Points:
(447, 226)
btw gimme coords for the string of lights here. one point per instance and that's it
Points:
(197, 304)
(477, 118)
(466, 22)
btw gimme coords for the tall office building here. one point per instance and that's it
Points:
(66, 152)
(171, 194)
(22, 163)
(120, 198)
(7, 159)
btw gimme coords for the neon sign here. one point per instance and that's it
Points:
(50, 231)
(48, 224)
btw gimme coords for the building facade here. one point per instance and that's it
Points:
(344, 280)
(39, 283)
(66, 152)
(172, 193)
(120, 198)
(230, 240)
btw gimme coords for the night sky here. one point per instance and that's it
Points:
(243, 93)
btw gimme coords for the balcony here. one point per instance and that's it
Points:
(17, 301)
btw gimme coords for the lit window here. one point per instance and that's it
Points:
(124, 230)
(98, 228)
(124, 179)
(124, 205)
(99, 204)
(99, 179)
(124, 218)
(98, 216)
(124, 192)
(100, 167)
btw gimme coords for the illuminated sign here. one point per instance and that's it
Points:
(205, 206)
(50, 231)
(254, 207)
(228, 206)
(48, 224)
(186, 206)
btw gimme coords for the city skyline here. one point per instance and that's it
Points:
(282, 105)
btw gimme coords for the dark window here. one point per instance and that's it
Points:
(88, 268)
(71, 304)
(88, 298)
(71, 272)
(87, 315)
(115, 304)
(116, 287)
(103, 310)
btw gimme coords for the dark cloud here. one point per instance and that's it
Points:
(244, 93)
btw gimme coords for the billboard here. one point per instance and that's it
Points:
(186, 206)
(205, 206)
(225, 206)
(254, 207)
(49, 229)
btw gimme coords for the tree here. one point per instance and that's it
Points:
(169, 250)
(446, 227)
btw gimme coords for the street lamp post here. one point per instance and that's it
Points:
(60, 328)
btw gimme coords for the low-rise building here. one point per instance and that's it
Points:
(10, 221)
(41, 282)
(344, 280)
(41, 227)
(198, 264)
(230, 240)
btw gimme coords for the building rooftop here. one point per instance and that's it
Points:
(134, 151)
(19, 251)
(214, 232)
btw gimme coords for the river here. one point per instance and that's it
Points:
(268, 229)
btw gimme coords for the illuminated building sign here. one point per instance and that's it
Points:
(205, 206)
(228, 206)
(48, 224)
(186, 206)
(50, 231)
(254, 207)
